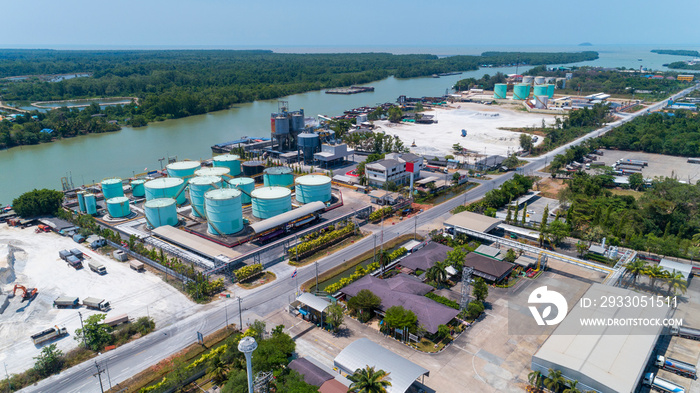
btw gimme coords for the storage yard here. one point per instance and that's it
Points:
(658, 164)
(37, 264)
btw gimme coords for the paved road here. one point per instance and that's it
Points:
(130, 359)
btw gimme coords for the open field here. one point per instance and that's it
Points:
(36, 264)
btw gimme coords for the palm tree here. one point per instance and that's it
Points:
(554, 380)
(676, 283)
(218, 370)
(384, 259)
(535, 378)
(367, 380)
(572, 387)
(654, 272)
(438, 273)
(635, 269)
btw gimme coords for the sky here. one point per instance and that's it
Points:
(332, 23)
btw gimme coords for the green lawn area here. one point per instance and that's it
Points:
(635, 194)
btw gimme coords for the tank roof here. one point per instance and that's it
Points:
(159, 202)
(89, 195)
(253, 163)
(165, 182)
(213, 171)
(222, 193)
(227, 157)
(313, 180)
(138, 181)
(308, 135)
(241, 180)
(184, 165)
(204, 180)
(270, 192)
(112, 181)
(278, 170)
(120, 199)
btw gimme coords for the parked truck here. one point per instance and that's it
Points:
(661, 385)
(136, 265)
(49, 334)
(77, 253)
(64, 254)
(686, 332)
(676, 366)
(96, 303)
(74, 262)
(97, 267)
(118, 320)
(66, 301)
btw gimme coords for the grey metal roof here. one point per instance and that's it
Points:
(594, 248)
(281, 219)
(473, 221)
(363, 352)
(312, 374)
(386, 164)
(487, 250)
(317, 303)
(426, 257)
(487, 268)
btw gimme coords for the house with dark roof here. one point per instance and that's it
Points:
(491, 270)
(320, 376)
(426, 257)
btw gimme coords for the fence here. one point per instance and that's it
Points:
(150, 262)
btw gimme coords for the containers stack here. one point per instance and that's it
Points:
(312, 188)
(198, 187)
(224, 211)
(252, 168)
(499, 91)
(246, 185)
(81, 201)
(137, 189)
(118, 207)
(166, 187)
(280, 176)
(230, 161)
(90, 204)
(183, 169)
(112, 188)
(213, 171)
(271, 201)
(160, 211)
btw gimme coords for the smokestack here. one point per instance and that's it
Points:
(247, 345)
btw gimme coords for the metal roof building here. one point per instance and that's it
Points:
(472, 221)
(426, 257)
(678, 267)
(363, 352)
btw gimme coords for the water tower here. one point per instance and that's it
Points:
(247, 345)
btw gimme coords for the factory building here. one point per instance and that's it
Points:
(285, 127)
(331, 155)
(380, 172)
(414, 163)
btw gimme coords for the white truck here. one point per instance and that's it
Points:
(676, 366)
(661, 385)
(49, 334)
(97, 267)
(96, 303)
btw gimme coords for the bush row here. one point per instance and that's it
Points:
(248, 271)
(443, 300)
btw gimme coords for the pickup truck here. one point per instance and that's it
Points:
(96, 303)
(97, 267)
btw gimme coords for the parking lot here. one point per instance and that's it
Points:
(659, 165)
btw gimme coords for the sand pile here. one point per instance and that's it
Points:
(7, 264)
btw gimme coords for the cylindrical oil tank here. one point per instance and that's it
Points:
(539, 90)
(271, 201)
(550, 91)
(528, 79)
(312, 188)
(521, 91)
(137, 188)
(198, 187)
(550, 79)
(281, 176)
(213, 171)
(112, 188)
(90, 204)
(166, 187)
(160, 211)
(541, 102)
(246, 185)
(539, 80)
(224, 211)
(297, 122)
(81, 201)
(230, 161)
(182, 168)
(309, 143)
(499, 91)
(118, 207)
(252, 168)
(281, 125)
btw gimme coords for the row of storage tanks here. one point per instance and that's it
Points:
(521, 91)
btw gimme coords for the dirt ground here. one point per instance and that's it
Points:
(36, 264)
(550, 188)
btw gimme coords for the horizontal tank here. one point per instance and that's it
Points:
(112, 188)
(246, 185)
(550, 91)
(271, 201)
(81, 201)
(230, 161)
(137, 188)
(281, 176)
(224, 211)
(90, 204)
(118, 207)
(198, 187)
(539, 90)
(183, 169)
(499, 91)
(213, 171)
(252, 168)
(166, 187)
(312, 188)
(521, 91)
(160, 211)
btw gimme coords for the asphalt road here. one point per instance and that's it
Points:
(136, 356)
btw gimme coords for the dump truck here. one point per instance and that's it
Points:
(118, 320)
(77, 253)
(136, 265)
(74, 262)
(66, 301)
(49, 334)
(686, 332)
(96, 303)
(64, 254)
(676, 366)
(97, 267)
(661, 385)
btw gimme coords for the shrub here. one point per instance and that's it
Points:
(443, 300)
(248, 271)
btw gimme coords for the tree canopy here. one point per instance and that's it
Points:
(38, 202)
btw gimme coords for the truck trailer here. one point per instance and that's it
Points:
(66, 301)
(74, 262)
(676, 366)
(77, 253)
(64, 254)
(96, 303)
(97, 267)
(49, 334)
(118, 320)
(685, 332)
(661, 385)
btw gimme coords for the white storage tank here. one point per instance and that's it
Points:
(183, 169)
(230, 161)
(220, 171)
(312, 188)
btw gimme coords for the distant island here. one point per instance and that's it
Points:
(682, 65)
(585, 44)
(689, 53)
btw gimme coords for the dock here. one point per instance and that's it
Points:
(350, 90)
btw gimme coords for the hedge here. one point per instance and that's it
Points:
(248, 271)
(321, 241)
(443, 300)
(359, 273)
(379, 213)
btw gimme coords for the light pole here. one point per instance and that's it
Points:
(247, 345)
(240, 315)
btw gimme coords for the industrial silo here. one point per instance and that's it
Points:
(309, 143)
(312, 188)
(230, 161)
(271, 201)
(550, 79)
(246, 185)
(198, 187)
(539, 90)
(166, 187)
(541, 102)
(160, 211)
(298, 122)
(112, 188)
(528, 79)
(90, 204)
(252, 168)
(213, 171)
(539, 80)
(281, 176)
(550, 91)
(281, 125)
(81, 201)
(183, 169)
(499, 91)
(118, 207)
(224, 211)
(521, 91)
(137, 188)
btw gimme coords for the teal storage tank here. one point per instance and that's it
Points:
(539, 90)
(90, 204)
(183, 169)
(271, 201)
(521, 91)
(224, 211)
(245, 185)
(279, 176)
(81, 201)
(550, 91)
(112, 188)
(118, 207)
(198, 187)
(219, 171)
(312, 188)
(499, 91)
(160, 211)
(230, 161)
(137, 189)
(166, 187)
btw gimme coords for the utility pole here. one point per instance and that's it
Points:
(240, 315)
(316, 264)
(98, 374)
(9, 384)
(82, 328)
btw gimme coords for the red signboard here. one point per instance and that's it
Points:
(409, 167)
